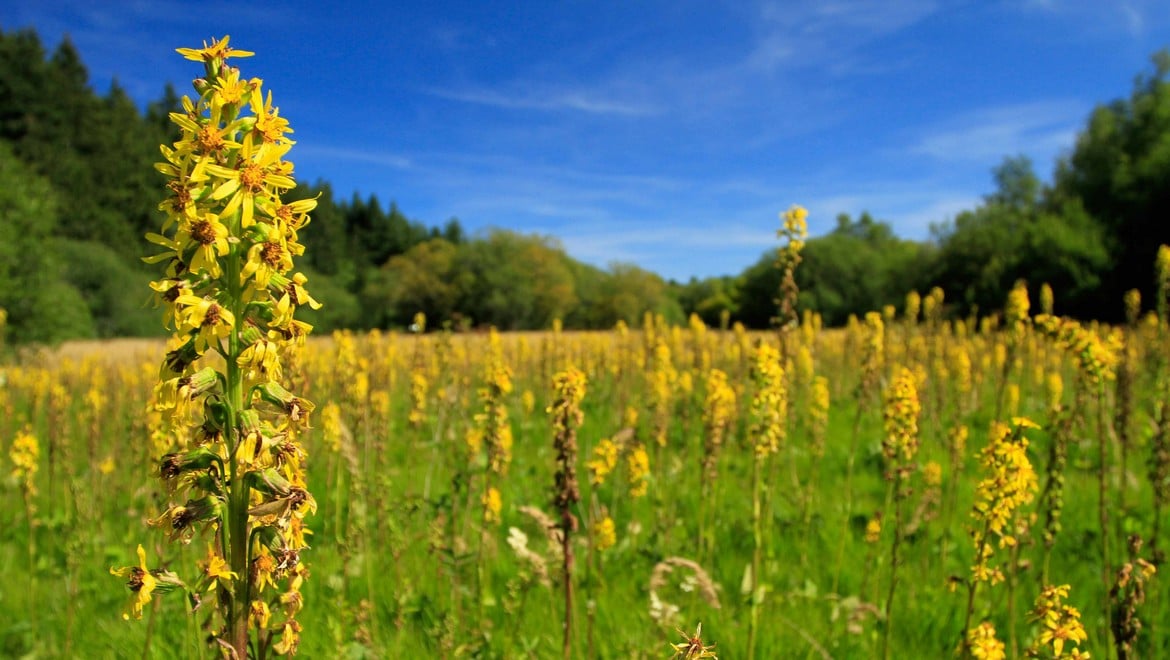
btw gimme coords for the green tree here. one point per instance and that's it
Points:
(1119, 172)
(41, 308)
(514, 281)
(1018, 234)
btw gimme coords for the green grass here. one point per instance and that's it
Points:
(376, 536)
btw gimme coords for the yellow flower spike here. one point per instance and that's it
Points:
(225, 219)
(492, 505)
(605, 458)
(638, 464)
(25, 453)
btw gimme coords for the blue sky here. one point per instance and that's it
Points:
(668, 134)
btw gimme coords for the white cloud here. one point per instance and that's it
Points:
(580, 100)
(374, 157)
(827, 33)
(1039, 129)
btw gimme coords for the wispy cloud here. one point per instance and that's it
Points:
(1134, 18)
(375, 157)
(1039, 129)
(579, 100)
(827, 33)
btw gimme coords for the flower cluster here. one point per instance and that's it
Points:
(818, 414)
(874, 353)
(569, 388)
(493, 420)
(1059, 624)
(25, 453)
(794, 230)
(638, 464)
(1009, 482)
(605, 458)
(982, 643)
(901, 419)
(718, 409)
(663, 378)
(769, 407)
(1016, 311)
(1095, 358)
(228, 288)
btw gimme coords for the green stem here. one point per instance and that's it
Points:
(237, 501)
(893, 562)
(757, 547)
(848, 492)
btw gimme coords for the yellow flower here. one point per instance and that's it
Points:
(212, 321)
(901, 418)
(218, 50)
(290, 638)
(932, 474)
(259, 176)
(141, 584)
(604, 534)
(215, 570)
(1062, 623)
(638, 462)
(258, 614)
(492, 505)
(769, 406)
(605, 457)
(25, 453)
(982, 644)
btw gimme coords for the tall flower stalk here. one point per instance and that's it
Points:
(769, 414)
(899, 448)
(237, 473)
(569, 388)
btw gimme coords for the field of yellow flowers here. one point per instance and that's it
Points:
(907, 483)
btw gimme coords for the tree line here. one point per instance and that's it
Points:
(78, 191)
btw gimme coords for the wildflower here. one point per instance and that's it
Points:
(25, 453)
(143, 582)
(718, 408)
(693, 648)
(1016, 311)
(901, 418)
(873, 529)
(913, 306)
(1009, 483)
(418, 397)
(638, 463)
(604, 534)
(769, 407)
(216, 572)
(605, 457)
(932, 474)
(216, 52)
(492, 505)
(1061, 623)
(982, 644)
(228, 246)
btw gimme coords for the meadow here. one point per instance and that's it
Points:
(841, 502)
